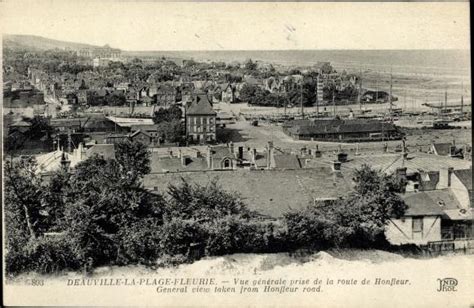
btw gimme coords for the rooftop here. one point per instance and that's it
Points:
(200, 106)
(269, 192)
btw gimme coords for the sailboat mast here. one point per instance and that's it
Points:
(360, 91)
(390, 94)
(301, 100)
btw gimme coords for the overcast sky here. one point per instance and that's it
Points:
(243, 26)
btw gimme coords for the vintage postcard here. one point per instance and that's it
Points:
(237, 154)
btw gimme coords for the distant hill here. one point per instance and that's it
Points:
(39, 43)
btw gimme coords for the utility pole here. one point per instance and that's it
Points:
(301, 100)
(462, 99)
(333, 104)
(390, 95)
(69, 141)
(317, 95)
(376, 90)
(445, 100)
(360, 91)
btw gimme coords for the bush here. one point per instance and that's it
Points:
(44, 255)
(140, 243)
(177, 236)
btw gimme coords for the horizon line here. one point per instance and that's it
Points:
(227, 50)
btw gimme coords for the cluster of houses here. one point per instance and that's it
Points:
(272, 180)
(89, 88)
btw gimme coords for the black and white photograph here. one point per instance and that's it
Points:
(237, 154)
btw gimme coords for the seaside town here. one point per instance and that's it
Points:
(282, 137)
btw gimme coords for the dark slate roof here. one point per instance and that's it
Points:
(442, 148)
(200, 106)
(307, 127)
(221, 152)
(269, 192)
(107, 151)
(422, 204)
(465, 176)
(286, 161)
(173, 164)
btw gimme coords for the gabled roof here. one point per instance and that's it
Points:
(221, 152)
(421, 204)
(465, 176)
(269, 192)
(137, 132)
(442, 148)
(173, 164)
(287, 161)
(200, 106)
(107, 151)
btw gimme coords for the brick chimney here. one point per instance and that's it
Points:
(445, 178)
(317, 152)
(269, 154)
(240, 152)
(209, 157)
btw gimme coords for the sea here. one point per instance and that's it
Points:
(452, 61)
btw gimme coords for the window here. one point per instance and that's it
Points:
(417, 227)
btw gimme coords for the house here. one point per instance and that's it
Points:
(461, 185)
(200, 120)
(143, 137)
(221, 157)
(228, 93)
(165, 95)
(187, 92)
(444, 213)
(420, 224)
(338, 130)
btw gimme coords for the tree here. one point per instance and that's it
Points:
(39, 127)
(23, 208)
(358, 221)
(167, 115)
(104, 208)
(250, 65)
(134, 159)
(247, 92)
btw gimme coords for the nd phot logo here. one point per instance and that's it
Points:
(447, 285)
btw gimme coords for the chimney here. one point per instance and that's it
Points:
(183, 160)
(445, 178)
(401, 173)
(336, 166)
(269, 154)
(342, 157)
(241, 153)
(317, 152)
(209, 157)
(198, 154)
(231, 147)
(254, 155)
(80, 151)
(65, 162)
